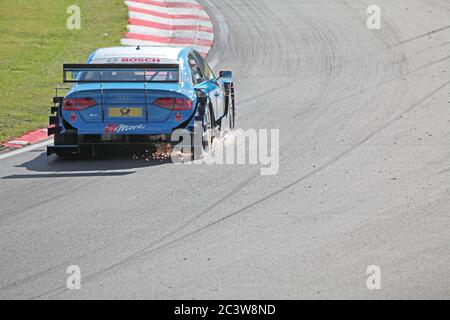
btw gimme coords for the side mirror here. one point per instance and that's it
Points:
(225, 74)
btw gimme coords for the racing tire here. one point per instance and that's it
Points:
(207, 125)
(231, 108)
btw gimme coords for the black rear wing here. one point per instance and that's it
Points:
(95, 73)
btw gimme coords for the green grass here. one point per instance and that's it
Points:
(35, 42)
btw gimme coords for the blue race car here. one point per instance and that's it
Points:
(131, 96)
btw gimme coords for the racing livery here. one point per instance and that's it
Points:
(133, 96)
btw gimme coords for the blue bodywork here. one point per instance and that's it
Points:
(111, 111)
(95, 120)
(155, 120)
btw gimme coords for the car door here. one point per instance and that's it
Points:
(216, 90)
(198, 78)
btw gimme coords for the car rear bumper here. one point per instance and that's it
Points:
(124, 129)
(138, 128)
(90, 146)
(180, 120)
(62, 150)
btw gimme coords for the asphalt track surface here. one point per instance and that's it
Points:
(364, 119)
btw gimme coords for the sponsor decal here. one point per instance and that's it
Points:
(129, 60)
(110, 128)
(126, 112)
(122, 128)
(141, 60)
(122, 99)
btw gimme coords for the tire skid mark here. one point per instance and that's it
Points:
(312, 173)
(249, 51)
(424, 35)
(319, 169)
(142, 253)
(152, 245)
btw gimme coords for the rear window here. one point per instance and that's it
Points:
(91, 73)
(128, 76)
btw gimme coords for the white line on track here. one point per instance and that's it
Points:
(26, 149)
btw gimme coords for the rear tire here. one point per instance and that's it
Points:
(231, 109)
(207, 126)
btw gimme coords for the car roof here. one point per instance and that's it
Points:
(166, 54)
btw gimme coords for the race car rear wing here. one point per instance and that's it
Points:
(100, 73)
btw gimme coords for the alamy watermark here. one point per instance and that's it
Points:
(238, 147)
(74, 20)
(73, 281)
(373, 282)
(374, 19)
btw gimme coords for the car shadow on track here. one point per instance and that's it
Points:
(99, 165)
